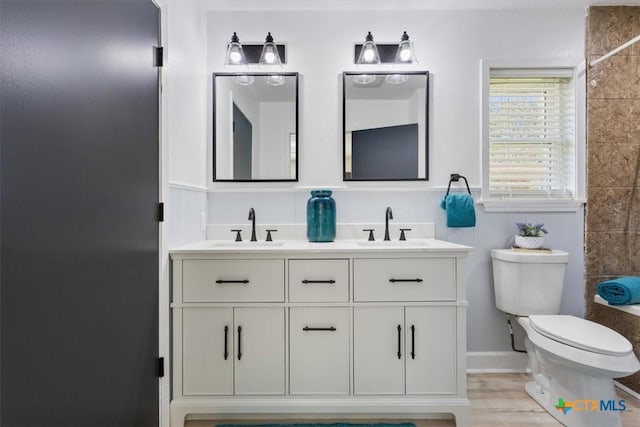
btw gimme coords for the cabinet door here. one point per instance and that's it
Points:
(378, 350)
(206, 369)
(319, 350)
(431, 350)
(259, 350)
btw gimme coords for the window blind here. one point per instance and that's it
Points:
(531, 137)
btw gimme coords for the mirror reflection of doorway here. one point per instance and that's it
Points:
(242, 145)
(385, 153)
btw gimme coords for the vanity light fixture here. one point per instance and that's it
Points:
(405, 53)
(235, 52)
(269, 55)
(385, 53)
(369, 52)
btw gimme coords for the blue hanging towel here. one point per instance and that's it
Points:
(621, 291)
(460, 210)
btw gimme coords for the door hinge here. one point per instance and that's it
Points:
(160, 367)
(158, 57)
(160, 212)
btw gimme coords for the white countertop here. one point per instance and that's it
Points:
(340, 245)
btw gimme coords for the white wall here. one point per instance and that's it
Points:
(450, 45)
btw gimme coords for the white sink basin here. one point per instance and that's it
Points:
(245, 244)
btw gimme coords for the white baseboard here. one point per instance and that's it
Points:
(496, 361)
(627, 389)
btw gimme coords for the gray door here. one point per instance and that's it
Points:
(78, 203)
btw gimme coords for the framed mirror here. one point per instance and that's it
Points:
(386, 126)
(255, 127)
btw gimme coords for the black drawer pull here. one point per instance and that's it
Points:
(405, 280)
(399, 341)
(331, 328)
(226, 348)
(305, 281)
(245, 281)
(239, 342)
(413, 342)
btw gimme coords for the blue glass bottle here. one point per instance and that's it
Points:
(321, 217)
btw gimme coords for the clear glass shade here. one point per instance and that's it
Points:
(269, 55)
(235, 53)
(406, 53)
(369, 52)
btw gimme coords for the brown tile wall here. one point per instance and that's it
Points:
(612, 235)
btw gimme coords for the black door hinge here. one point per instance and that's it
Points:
(160, 212)
(158, 56)
(160, 367)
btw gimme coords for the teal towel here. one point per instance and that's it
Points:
(460, 209)
(621, 291)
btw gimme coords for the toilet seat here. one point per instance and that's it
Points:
(582, 334)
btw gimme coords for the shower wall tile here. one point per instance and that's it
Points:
(613, 210)
(608, 27)
(612, 219)
(635, 49)
(612, 253)
(634, 76)
(613, 120)
(612, 165)
(610, 78)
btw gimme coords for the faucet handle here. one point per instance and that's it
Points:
(238, 237)
(402, 230)
(370, 230)
(268, 239)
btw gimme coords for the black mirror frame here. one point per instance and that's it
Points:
(344, 123)
(255, 74)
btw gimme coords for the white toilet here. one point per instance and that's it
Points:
(573, 361)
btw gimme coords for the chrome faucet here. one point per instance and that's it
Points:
(387, 216)
(252, 217)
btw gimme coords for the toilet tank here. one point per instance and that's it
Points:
(528, 283)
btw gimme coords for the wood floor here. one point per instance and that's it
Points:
(497, 400)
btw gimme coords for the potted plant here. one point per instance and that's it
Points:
(529, 236)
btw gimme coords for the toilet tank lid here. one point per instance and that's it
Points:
(581, 333)
(554, 257)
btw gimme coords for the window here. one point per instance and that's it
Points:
(530, 135)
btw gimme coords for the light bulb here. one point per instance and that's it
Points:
(235, 56)
(269, 57)
(405, 53)
(368, 55)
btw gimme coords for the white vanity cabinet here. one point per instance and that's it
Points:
(298, 330)
(233, 351)
(404, 350)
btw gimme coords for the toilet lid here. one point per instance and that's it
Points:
(581, 333)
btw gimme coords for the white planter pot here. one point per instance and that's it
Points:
(528, 242)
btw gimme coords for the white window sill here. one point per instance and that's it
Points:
(531, 205)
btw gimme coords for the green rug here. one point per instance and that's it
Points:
(320, 425)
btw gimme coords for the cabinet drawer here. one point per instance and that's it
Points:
(319, 280)
(233, 281)
(319, 350)
(413, 279)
